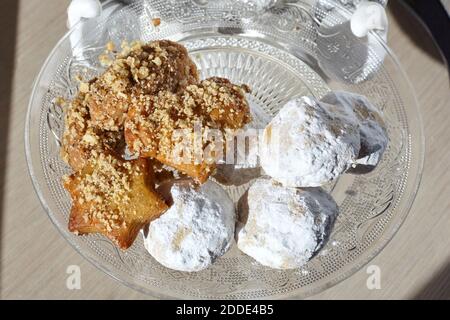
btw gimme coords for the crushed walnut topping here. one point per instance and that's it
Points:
(60, 102)
(81, 140)
(213, 103)
(138, 69)
(114, 197)
(109, 182)
(110, 47)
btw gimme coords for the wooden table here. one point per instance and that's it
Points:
(34, 256)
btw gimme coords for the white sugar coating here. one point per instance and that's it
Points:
(284, 227)
(309, 143)
(196, 230)
(374, 137)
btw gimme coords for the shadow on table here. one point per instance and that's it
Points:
(411, 24)
(8, 24)
(438, 288)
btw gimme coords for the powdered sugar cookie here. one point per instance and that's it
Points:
(374, 138)
(309, 143)
(283, 227)
(196, 229)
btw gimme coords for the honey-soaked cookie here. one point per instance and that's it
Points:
(140, 69)
(81, 140)
(113, 197)
(223, 102)
(159, 126)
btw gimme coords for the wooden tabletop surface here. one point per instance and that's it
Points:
(34, 256)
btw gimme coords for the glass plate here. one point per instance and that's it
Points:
(280, 53)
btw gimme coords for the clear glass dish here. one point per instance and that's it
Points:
(280, 53)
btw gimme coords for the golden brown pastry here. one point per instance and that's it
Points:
(156, 125)
(222, 101)
(140, 69)
(80, 138)
(113, 197)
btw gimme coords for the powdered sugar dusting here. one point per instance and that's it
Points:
(309, 143)
(374, 138)
(197, 229)
(283, 227)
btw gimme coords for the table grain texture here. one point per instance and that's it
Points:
(34, 256)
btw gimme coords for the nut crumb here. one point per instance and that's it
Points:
(84, 87)
(110, 46)
(60, 102)
(157, 61)
(105, 60)
(156, 22)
